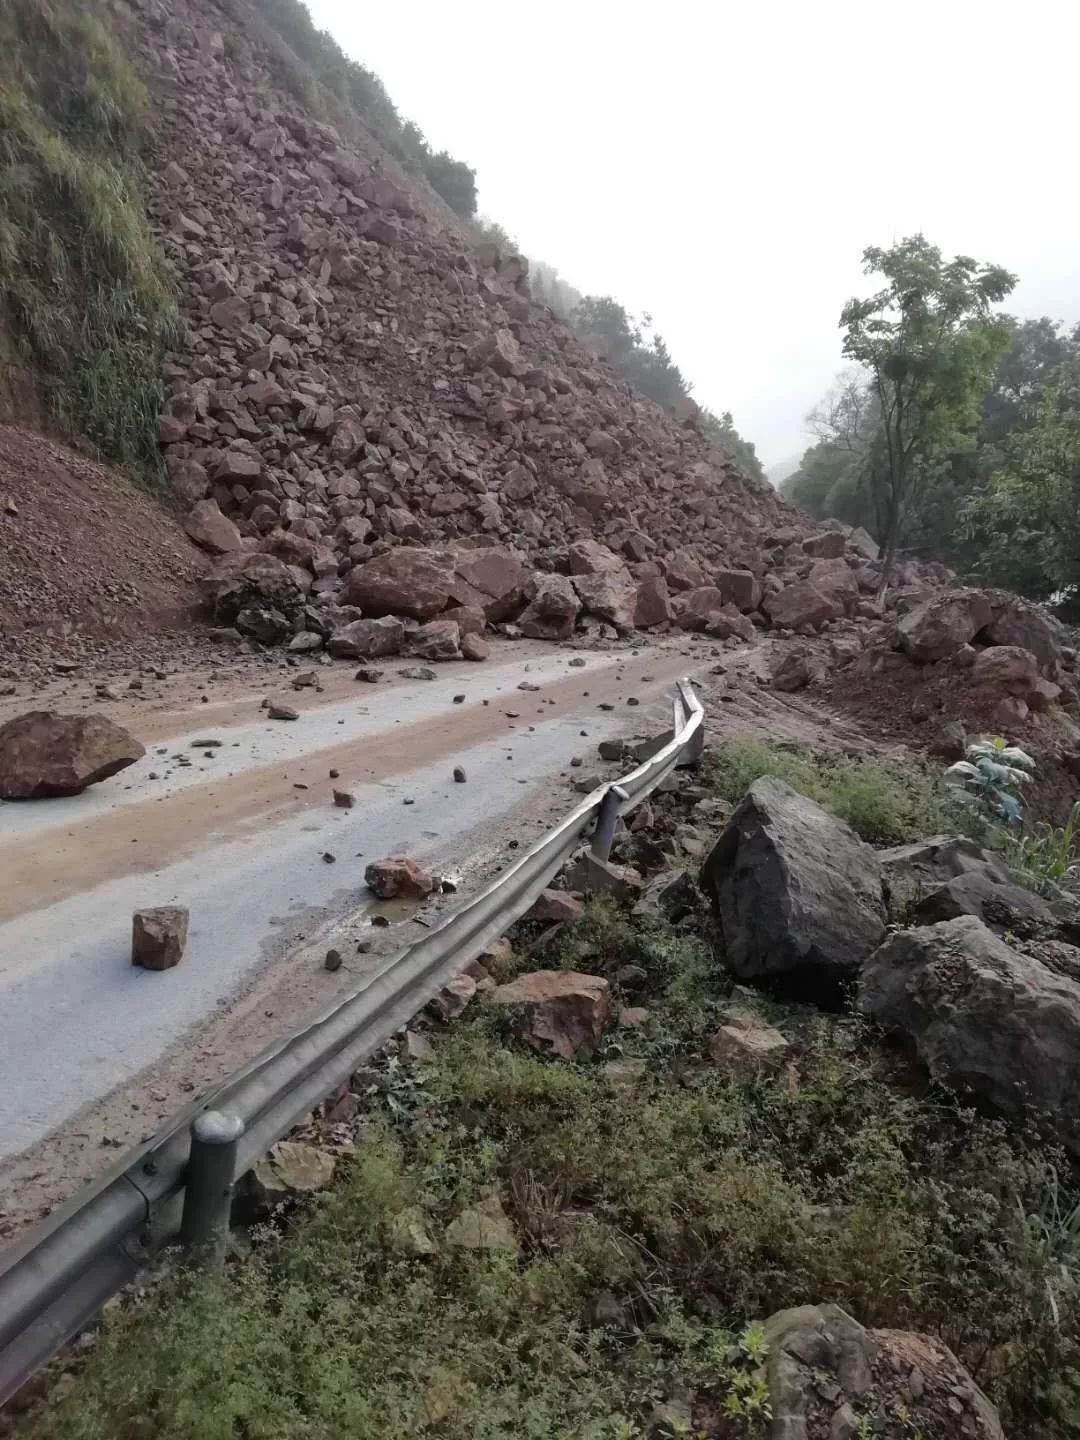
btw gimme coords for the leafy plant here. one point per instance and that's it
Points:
(991, 776)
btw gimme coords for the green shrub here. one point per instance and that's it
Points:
(887, 804)
(82, 283)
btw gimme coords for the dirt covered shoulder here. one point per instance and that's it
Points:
(83, 549)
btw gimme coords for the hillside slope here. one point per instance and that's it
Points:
(355, 372)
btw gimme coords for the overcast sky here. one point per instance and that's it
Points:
(724, 165)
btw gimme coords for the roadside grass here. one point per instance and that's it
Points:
(661, 1211)
(83, 289)
(887, 804)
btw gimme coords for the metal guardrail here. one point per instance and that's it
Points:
(58, 1277)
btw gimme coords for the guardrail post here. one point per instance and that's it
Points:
(615, 797)
(208, 1186)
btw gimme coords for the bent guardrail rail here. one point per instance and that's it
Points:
(56, 1278)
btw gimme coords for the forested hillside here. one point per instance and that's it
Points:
(958, 426)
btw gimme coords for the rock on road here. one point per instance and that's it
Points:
(240, 839)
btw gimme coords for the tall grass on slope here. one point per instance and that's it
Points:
(82, 285)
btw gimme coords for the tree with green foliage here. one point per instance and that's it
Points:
(454, 181)
(928, 340)
(1024, 524)
(634, 348)
(642, 357)
(721, 430)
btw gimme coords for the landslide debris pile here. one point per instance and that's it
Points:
(389, 445)
(355, 375)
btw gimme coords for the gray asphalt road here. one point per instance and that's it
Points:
(242, 846)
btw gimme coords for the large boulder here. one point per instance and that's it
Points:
(247, 579)
(837, 581)
(437, 640)
(367, 639)
(683, 571)
(652, 605)
(1008, 669)
(740, 588)
(695, 608)
(43, 753)
(610, 595)
(499, 350)
(949, 875)
(939, 626)
(405, 581)
(589, 557)
(796, 891)
(826, 1372)
(982, 1016)
(492, 578)
(211, 530)
(562, 1011)
(1016, 622)
(829, 545)
(801, 606)
(552, 609)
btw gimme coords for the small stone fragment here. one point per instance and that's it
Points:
(332, 961)
(343, 799)
(459, 774)
(277, 711)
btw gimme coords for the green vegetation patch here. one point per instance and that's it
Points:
(887, 804)
(82, 283)
(658, 1211)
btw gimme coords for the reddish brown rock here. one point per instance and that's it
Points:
(158, 937)
(493, 579)
(829, 545)
(474, 647)
(404, 581)
(610, 595)
(563, 1011)
(694, 608)
(652, 604)
(589, 557)
(745, 1047)
(437, 640)
(43, 753)
(212, 530)
(556, 907)
(801, 606)
(469, 619)
(367, 639)
(939, 626)
(552, 610)
(499, 350)
(398, 877)
(1006, 668)
(836, 580)
(740, 588)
